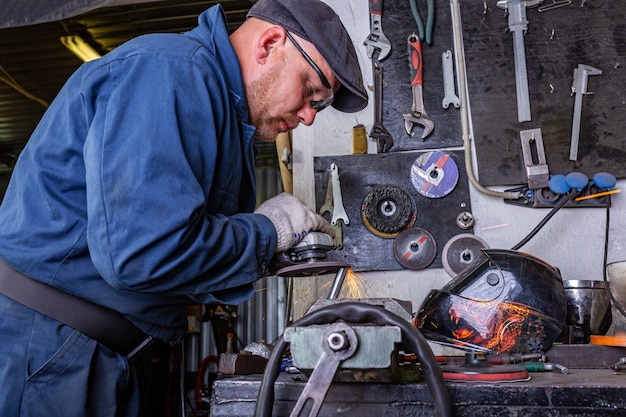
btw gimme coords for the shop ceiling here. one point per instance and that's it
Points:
(33, 56)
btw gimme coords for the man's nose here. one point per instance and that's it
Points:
(307, 114)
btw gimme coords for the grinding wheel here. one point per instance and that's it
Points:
(308, 269)
(388, 209)
(434, 174)
(415, 248)
(460, 251)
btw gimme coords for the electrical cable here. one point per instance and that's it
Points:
(354, 312)
(543, 222)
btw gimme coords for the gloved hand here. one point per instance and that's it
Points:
(292, 220)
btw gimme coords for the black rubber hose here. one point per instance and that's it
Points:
(356, 313)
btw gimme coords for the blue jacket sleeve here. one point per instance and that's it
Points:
(166, 165)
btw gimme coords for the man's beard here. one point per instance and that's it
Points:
(258, 94)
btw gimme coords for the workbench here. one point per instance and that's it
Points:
(582, 392)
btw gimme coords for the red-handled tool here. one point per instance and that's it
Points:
(417, 115)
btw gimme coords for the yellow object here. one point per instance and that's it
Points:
(602, 194)
(359, 140)
(283, 149)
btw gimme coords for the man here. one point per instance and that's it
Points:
(136, 193)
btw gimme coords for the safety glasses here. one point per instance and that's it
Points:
(323, 102)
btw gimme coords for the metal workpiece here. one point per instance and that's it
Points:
(579, 89)
(518, 24)
(537, 172)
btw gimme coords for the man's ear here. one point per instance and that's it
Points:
(271, 41)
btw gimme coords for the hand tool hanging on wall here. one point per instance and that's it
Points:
(378, 48)
(417, 115)
(379, 132)
(449, 94)
(376, 41)
(424, 33)
(579, 88)
(328, 208)
(518, 24)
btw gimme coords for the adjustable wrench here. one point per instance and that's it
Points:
(384, 138)
(376, 40)
(417, 115)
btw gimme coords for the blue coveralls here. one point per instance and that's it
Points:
(135, 192)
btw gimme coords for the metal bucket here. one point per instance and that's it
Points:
(588, 307)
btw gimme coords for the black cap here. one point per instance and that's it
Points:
(316, 22)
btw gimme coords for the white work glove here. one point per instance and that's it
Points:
(292, 220)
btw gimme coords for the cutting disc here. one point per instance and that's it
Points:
(387, 209)
(415, 248)
(434, 174)
(460, 251)
(307, 269)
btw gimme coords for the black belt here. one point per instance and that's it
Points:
(102, 324)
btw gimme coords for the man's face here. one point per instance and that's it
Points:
(286, 92)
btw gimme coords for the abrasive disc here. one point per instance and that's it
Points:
(434, 174)
(415, 248)
(308, 269)
(388, 209)
(460, 251)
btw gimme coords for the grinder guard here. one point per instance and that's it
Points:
(506, 301)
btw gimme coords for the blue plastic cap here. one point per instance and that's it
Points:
(558, 184)
(604, 180)
(577, 180)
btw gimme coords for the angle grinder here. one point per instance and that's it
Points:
(308, 257)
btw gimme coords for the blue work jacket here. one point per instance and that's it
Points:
(136, 189)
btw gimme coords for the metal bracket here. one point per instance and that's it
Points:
(537, 171)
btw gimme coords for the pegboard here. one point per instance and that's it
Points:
(359, 174)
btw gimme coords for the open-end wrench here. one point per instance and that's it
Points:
(339, 212)
(417, 115)
(449, 93)
(382, 136)
(328, 208)
(376, 40)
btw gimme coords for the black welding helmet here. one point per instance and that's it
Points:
(505, 301)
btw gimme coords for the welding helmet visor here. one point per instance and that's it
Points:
(505, 301)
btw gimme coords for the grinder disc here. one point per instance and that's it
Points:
(434, 174)
(415, 248)
(460, 251)
(308, 269)
(388, 209)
